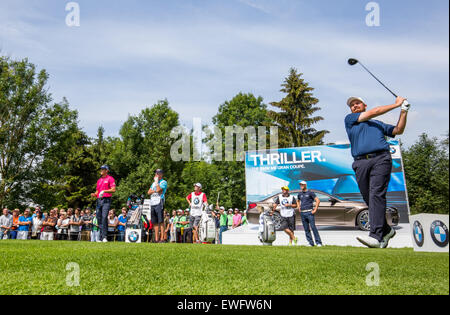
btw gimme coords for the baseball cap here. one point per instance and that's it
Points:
(354, 98)
(302, 182)
(159, 171)
(285, 188)
(104, 167)
(198, 185)
(222, 208)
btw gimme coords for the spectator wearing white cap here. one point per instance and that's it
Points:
(197, 200)
(287, 204)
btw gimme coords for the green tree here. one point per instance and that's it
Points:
(65, 176)
(29, 125)
(243, 110)
(426, 166)
(145, 146)
(294, 120)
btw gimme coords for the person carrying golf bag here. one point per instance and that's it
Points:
(373, 161)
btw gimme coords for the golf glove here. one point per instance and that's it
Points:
(406, 106)
(100, 195)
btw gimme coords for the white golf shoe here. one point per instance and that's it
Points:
(385, 242)
(105, 240)
(369, 241)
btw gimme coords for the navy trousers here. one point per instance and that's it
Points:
(309, 223)
(103, 206)
(373, 176)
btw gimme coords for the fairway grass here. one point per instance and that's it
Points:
(36, 267)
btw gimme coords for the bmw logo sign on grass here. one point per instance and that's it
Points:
(418, 234)
(439, 233)
(133, 237)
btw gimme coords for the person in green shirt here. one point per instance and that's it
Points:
(223, 223)
(187, 235)
(95, 235)
(244, 220)
(230, 218)
(178, 225)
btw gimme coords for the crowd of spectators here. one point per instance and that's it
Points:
(82, 225)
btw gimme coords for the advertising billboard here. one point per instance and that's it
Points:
(326, 168)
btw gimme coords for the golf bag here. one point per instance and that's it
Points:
(134, 228)
(207, 227)
(268, 235)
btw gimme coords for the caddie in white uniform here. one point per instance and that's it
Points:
(287, 203)
(197, 200)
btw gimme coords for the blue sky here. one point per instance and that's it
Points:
(127, 55)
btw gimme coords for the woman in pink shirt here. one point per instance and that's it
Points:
(236, 218)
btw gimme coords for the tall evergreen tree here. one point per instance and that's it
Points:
(295, 119)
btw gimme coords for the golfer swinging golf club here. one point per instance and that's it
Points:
(373, 161)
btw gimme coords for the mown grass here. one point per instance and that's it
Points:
(35, 267)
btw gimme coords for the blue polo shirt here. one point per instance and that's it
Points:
(306, 199)
(368, 136)
(163, 185)
(23, 219)
(122, 219)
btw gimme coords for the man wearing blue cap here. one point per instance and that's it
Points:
(106, 186)
(373, 161)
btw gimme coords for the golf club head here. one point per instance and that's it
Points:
(352, 61)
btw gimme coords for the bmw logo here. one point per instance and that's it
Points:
(196, 201)
(133, 237)
(393, 150)
(285, 201)
(418, 233)
(439, 233)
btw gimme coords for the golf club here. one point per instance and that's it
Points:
(353, 61)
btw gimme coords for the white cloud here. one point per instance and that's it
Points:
(123, 65)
